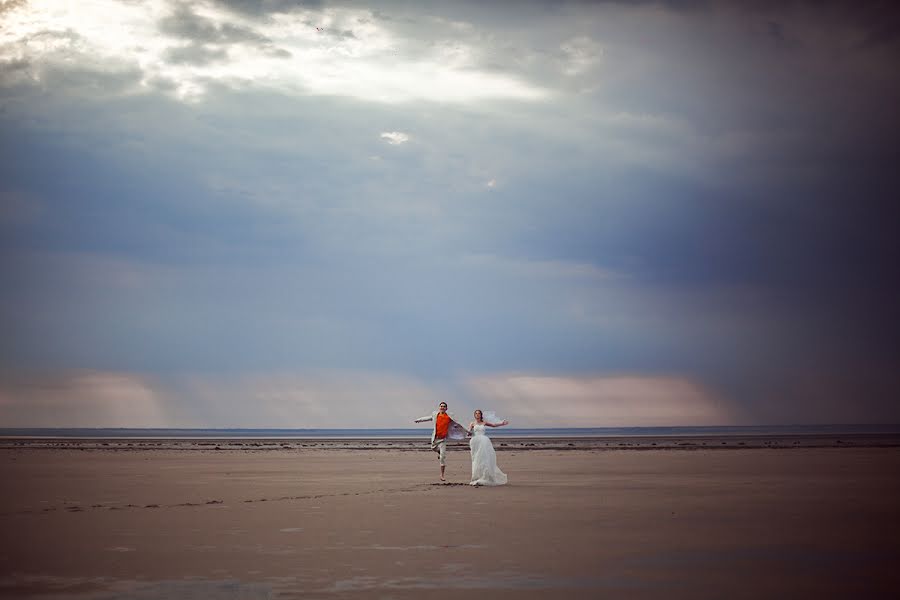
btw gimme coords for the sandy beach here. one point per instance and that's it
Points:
(291, 520)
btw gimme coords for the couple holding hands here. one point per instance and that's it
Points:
(484, 458)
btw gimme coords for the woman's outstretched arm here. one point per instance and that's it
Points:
(500, 424)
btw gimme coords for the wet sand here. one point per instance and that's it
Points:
(368, 520)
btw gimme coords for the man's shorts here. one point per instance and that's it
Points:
(439, 445)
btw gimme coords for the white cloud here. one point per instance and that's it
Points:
(82, 399)
(319, 399)
(581, 53)
(395, 138)
(312, 399)
(348, 399)
(601, 401)
(360, 60)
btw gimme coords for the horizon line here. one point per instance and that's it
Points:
(63, 428)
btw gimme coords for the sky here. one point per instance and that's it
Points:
(269, 213)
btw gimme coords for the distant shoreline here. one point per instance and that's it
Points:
(420, 443)
(124, 433)
(415, 439)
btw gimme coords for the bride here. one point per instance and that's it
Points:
(484, 459)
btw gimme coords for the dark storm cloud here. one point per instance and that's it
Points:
(186, 24)
(209, 40)
(13, 70)
(263, 8)
(195, 54)
(708, 191)
(11, 5)
(91, 79)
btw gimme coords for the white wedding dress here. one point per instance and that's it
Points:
(484, 459)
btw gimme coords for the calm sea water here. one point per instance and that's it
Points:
(424, 431)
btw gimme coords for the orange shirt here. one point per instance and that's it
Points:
(442, 424)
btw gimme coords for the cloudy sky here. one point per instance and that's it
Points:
(270, 213)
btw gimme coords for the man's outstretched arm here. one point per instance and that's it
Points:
(422, 419)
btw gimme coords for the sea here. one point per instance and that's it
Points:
(412, 433)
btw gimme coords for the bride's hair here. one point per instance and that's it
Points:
(478, 412)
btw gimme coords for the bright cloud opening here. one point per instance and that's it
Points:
(195, 45)
(395, 138)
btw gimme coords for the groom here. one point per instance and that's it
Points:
(444, 428)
